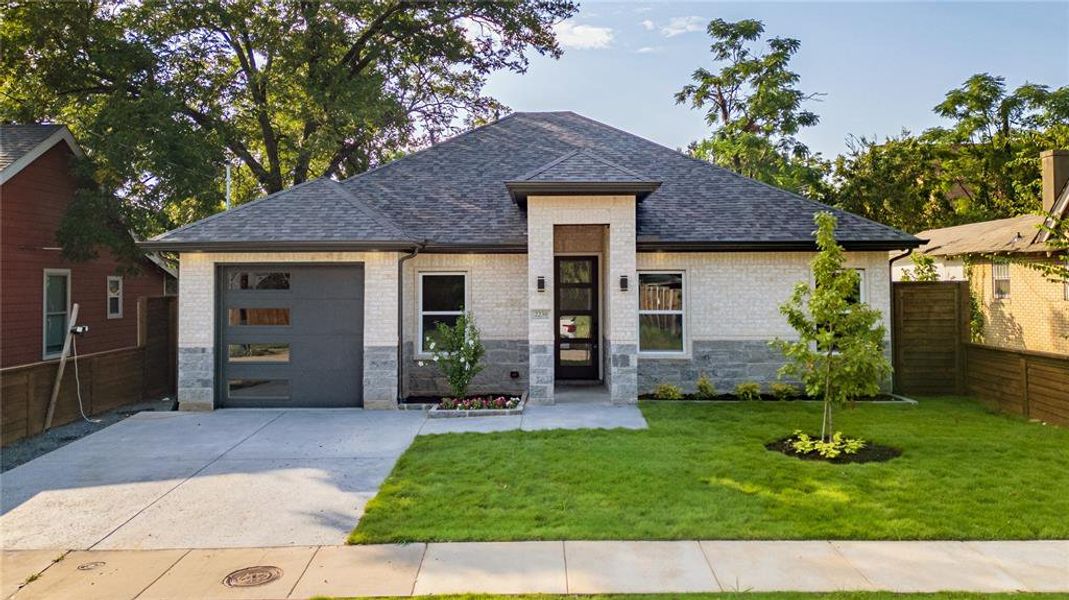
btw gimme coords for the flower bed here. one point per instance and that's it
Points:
(479, 405)
(863, 452)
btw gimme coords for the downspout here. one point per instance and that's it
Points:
(401, 316)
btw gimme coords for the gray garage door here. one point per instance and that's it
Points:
(291, 335)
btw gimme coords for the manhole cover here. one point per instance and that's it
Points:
(252, 576)
(90, 566)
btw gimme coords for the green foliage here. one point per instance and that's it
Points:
(163, 94)
(923, 268)
(667, 391)
(838, 355)
(706, 389)
(976, 309)
(748, 390)
(784, 391)
(838, 444)
(458, 352)
(984, 165)
(756, 108)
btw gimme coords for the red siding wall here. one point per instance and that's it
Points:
(32, 204)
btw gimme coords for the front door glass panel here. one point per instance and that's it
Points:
(576, 313)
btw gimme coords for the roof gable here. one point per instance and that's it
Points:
(20, 145)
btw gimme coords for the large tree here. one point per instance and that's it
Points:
(752, 100)
(984, 164)
(163, 94)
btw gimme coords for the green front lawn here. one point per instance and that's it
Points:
(765, 596)
(701, 472)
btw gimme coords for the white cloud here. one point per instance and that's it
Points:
(648, 24)
(583, 37)
(680, 25)
(648, 49)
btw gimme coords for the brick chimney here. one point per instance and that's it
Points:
(1055, 169)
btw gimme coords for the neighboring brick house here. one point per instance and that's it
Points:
(586, 254)
(39, 286)
(1023, 308)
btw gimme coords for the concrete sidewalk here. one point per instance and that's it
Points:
(541, 567)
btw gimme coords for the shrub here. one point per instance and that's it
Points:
(836, 445)
(458, 352)
(667, 391)
(784, 391)
(748, 390)
(706, 389)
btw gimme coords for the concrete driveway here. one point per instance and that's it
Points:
(229, 478)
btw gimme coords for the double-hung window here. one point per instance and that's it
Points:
(442, 297)
(1000, 275)
(858, 294)
(660, 313)
(114, 297)
(57, 302)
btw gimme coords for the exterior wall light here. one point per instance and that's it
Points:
(623, 283)
(541, 283)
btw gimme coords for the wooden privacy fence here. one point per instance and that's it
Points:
(933, 355)
(1030, 384)
(108, 379)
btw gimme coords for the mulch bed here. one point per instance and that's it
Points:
(869, 453)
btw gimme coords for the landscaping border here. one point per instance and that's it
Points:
(441, 413)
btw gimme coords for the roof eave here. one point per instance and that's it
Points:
(278, 245)
(772, 246)
(520, 190)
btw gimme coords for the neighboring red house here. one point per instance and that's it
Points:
(37, 285)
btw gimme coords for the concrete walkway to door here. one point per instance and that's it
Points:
(231, 478)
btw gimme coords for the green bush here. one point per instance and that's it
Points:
(706, 389)
(458, 352)
(667, 391)
(784, 391)
(748, 390)
(805, 444)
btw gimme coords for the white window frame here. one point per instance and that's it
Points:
(108, 296)
(995, 279)
(420, 313)
(45, 354)
(682, 312)
(863, 297)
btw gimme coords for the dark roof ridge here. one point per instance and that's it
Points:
(360, 205)
(456, 137)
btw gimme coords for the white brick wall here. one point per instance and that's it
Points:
(736, 295)
(497, 291)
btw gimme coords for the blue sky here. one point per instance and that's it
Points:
(882, 66)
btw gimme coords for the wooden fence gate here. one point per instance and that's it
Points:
(930, 323)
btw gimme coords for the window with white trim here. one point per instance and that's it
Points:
(114, 297)
(57, 302)
(442, 297)
(1000, 276)
(858, 295)
(660, 313)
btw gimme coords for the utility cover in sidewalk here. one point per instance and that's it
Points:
(252, 577)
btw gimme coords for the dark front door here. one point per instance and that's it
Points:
(576, 316)
(291, 335)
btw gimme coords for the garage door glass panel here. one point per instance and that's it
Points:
(253, 280)
(275, 317)
(249, 353)
(274, 389)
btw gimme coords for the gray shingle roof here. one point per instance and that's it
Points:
(17, 140)
(454, 193)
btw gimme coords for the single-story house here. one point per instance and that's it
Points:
(1023, 308)
(585, 254)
